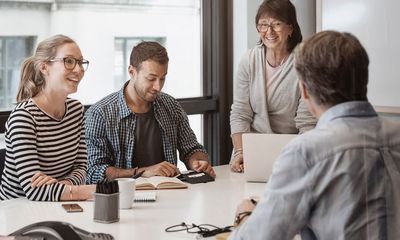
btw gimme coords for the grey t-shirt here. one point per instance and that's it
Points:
(149, 148)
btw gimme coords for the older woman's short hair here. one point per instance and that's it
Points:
(282, 10)
(333, 67)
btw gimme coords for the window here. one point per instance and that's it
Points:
(13, 50)
(103, 30)
(195, 33)
(195, 121)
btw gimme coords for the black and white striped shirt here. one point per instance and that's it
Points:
(37, 142)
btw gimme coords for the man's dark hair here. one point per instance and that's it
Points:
(147, 50)
(282, 10)
(333, 67)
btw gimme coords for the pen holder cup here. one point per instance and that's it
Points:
(106, 207)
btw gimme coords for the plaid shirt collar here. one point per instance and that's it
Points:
(124, 110)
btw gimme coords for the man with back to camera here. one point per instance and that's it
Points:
(140, 128)
(338, 181)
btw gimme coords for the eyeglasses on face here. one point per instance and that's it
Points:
(276, 26)
(70, 62)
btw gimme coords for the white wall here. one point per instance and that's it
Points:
(25, 22)
(306, 16)
(245, 34)
(375, 24)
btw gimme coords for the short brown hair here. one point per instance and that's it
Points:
(282, 10)
(148, 50)
(333, 67)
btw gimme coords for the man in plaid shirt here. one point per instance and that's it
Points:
(140, 128)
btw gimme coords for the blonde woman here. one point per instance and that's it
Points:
(46, 157)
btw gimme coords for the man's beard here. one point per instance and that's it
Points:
(143, 96)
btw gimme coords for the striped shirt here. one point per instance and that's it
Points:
(37, 142)
(110, 133)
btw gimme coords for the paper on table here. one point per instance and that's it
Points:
(145, 196)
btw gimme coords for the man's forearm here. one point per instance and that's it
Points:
(198, 156)
(113, 173)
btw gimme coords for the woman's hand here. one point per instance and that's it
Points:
(237, 163)
(40, 179)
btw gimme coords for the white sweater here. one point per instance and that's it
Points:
(282, 110)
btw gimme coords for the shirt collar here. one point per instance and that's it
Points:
(347, 109)
(122, 105)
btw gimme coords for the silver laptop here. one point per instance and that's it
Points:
(260, 152)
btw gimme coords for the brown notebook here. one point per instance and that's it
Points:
(158, 182)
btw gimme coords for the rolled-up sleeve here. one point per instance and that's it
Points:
(98, 150)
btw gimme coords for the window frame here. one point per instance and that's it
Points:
(5, 50)
(217, 50)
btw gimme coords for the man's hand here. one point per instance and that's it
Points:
(245, 206)
(237, 163)
(244, 210)
(40, 179)
(161, 169)
(199, 163)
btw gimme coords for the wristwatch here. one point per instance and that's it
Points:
(240, 216)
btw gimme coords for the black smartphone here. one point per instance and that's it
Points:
(72, 207)
(194, 177)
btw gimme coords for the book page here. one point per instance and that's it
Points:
(142, 184)
(166, 182)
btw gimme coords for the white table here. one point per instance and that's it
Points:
(213, 203)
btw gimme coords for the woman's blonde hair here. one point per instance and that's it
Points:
(32, 80)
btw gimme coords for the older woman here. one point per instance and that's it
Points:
(46, 154)
(267, 98)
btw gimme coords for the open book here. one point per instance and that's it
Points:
(158, 182)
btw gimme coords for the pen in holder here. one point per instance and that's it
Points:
(106, 202)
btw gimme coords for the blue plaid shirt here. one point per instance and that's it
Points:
(110, 133)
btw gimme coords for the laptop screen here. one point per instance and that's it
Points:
(260, 152)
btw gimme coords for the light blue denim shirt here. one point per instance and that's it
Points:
(338, 181)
